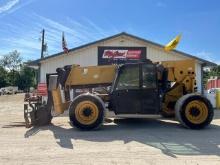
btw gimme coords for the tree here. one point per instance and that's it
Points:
(26, 78)
(215, 71)
(11, 62)
(3, 77)
(14, 73)
(13, 78)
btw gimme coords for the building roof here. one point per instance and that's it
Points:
(205, 62)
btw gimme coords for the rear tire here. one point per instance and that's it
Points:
(194, 111)
(86, 112)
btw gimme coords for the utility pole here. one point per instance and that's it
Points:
(42, 44)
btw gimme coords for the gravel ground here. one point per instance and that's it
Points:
(126, 141)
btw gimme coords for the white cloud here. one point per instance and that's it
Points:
(23, 41)
(21, 5)
(217, 62)
(208, 56)
(76, 32)
(57, 28)
(9, 5)
(96, 27)
(205, 55)
(25, 38)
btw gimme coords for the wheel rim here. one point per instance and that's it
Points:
(86, 112)
(196, 112)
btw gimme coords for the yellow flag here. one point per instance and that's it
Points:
(172, 44)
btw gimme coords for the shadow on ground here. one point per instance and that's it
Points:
(168, 136)
(14, 124)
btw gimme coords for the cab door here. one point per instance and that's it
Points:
(126, 95)
(150, 99)
(135, 90)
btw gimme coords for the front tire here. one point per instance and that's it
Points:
(194, 111)
(86, 112)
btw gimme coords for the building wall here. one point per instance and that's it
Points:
(88, 56)
(213, 83)
(198, 68)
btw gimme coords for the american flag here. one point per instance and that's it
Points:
(64, 45)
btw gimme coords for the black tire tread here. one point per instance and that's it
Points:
(179, 111)
(83, 97)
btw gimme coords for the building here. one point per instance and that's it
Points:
(213, 82)
(100, 52)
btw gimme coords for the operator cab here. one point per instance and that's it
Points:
(135, 89)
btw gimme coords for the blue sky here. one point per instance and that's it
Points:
(83, 21)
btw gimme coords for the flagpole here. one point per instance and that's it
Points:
(42, 44)
(64, 44)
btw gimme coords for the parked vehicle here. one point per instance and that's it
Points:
(9, 90)
(213, 90)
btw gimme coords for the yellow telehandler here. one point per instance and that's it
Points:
(167, 88)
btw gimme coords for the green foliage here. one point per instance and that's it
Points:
(215, 71)
(12, 78)
(205, 77)
(27, 78)
(3, 77)
(14, 73)
(11, 61)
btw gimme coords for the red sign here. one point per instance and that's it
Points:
(42, 89)
(122, 54)
(134, 54)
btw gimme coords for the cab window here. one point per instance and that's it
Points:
(149, 76)
(128, 78)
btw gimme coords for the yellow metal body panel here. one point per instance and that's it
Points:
(57, 100)
(172, 96)
(178, 70)
(183, 74)
(91, 75)
(59, 106)
(218, 99)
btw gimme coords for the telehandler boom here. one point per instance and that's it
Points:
(167, 88)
